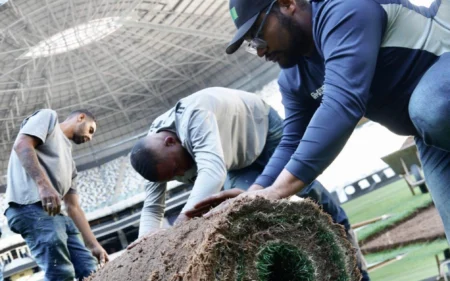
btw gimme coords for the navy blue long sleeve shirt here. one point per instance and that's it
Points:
(370, 56)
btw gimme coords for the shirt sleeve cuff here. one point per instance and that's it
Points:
(301, 171)
(264, 181)
(42, 137)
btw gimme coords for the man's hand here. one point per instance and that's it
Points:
(143, 238)
(50, 199)
(100, 253)
(268, 193)
(206, 204)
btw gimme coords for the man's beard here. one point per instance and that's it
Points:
(298, 42)
(78, 138)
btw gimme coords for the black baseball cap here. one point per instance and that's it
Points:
(244, 14)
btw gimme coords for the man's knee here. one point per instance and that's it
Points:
(429, 110)
(51, 254)
(433, 113)
(85, 264)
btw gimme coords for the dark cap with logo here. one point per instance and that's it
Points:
(244, 14)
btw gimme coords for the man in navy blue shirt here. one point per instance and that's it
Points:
(387, 60)
(341, 60)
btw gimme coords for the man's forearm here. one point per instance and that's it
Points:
(26, 152)
(205, 186)
(150, 221)
(153, 209)
(28, 158)
(78, 217)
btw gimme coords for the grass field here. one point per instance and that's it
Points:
(418, 264)
(395, 199)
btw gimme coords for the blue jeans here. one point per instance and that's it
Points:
(244, 178)
(55, 242)
(429, 109)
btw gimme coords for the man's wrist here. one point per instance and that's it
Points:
(255, 186)
(92, 244)
(272, 193)
(43, 184)
(286, 185)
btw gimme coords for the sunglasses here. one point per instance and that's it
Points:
(256, 42)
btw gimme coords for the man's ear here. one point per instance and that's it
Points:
(81, 117)
(287, 7)
(170, 141)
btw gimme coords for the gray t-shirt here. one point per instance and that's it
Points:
(223, 130)
(54, 155)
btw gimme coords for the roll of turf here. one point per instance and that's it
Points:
(252, 240)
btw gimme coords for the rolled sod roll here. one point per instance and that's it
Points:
(251, 240)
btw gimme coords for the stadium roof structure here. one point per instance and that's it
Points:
(125, 60)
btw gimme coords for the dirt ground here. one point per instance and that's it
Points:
(424, 226)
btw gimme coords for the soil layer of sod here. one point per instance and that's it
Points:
(252, 240)
(424, 225)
